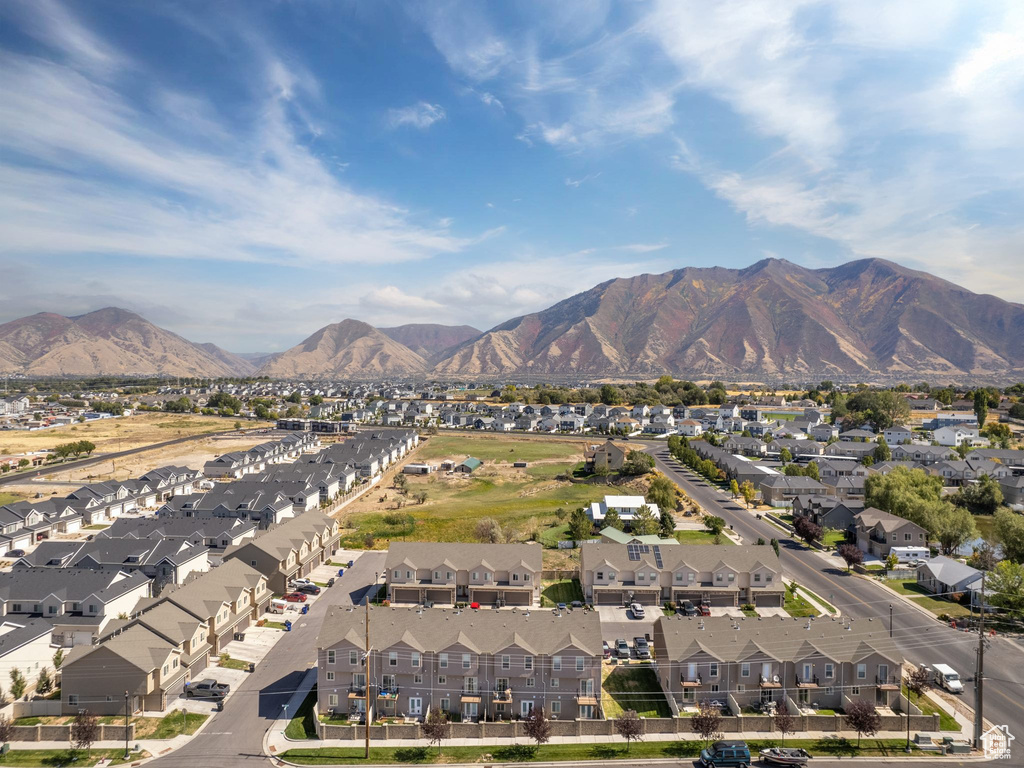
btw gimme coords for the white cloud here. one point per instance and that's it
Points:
(643, 247)
(392, 297)
(577, 183)
(492, 101)
(421, 115)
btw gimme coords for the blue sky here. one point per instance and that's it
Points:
(246, 172)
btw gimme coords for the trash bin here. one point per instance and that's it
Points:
(341, 571)
(305, 609)
(240, 636)
(287, 626)
(350, 563)
(330, 582)
(220, 705)
(252, 666)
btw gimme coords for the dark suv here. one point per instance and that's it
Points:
(726, 753)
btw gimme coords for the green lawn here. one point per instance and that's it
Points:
(946, 721)
(9, 498)
(832, 538)
(497, 448)
(229, 663)
(555, 592)
(699, 537)
(795, 605)
(525, 753)
(919, 595)
(550, 537)
(54, 758)
(780, 416)
(303, 725)
(454, 508)
(633, 687)
(169, 726)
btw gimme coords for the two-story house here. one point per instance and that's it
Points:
(877, 532)
(477, 664)
(448, 573)
(619, 574)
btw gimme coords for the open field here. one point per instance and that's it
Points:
(526, 753)
(498, 448)
(6, 497)
(120, 434)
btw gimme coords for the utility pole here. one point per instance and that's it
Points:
(372, 590)
(979, 672)
(890, 619)
(126, 750)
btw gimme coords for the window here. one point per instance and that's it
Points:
(830, 690)
(679, 577)
(444, 661)
(600, 575)
(506, 662)
(745, 669)
(718, 577)
(862, 671)
(640, 576)
(353, 657)
(554, 682)
(653, 575)
(392, 658)
(73, 700)
(332, 700)
(556, 707)
(252, 563)
(586, 712)
(714, 687)
(526, 577)
(713, 671)
(556, 663)
(741, 688)
(330, 675)
(732, 577)
(52, 609)
(855, 690)
(442, 680)
(531, 682)
(398, 574)
(579, 663)
(907, 537)
(166, 670)
(446, 704)
(487, 577)
(757, 578)
(515, 577)
(528, 662)
(467, 661)
(415, 659)
(408, 575)
(332, 657)
(768, 577)
(829, 670)
(883, 672)
(611, 575)
(476, 576)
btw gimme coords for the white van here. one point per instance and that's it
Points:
(946, 677)
(277, 606)
(911, 554)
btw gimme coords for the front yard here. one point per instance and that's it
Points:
(632, 687)
(922, 597)
(55, 758)
(166, 727)
(946, 721)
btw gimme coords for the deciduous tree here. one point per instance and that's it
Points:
(707, 722)
(851, 554)
(436, 728)
(537, 726)
(84, 730)
(629, 727)
(862, 717)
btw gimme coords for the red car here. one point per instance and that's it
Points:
(705, 609)
(295, 597)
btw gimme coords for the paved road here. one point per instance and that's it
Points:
(921, 639)
(27, 477)
(234, 737)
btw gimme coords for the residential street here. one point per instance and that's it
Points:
(234, 737)
(921, 639)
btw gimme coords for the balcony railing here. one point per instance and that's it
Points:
(388, 693)
(888, 682)
(807, 682)
(690, 682)
(360, 689)
(769, 682)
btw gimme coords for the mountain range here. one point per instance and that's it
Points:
(774, 319)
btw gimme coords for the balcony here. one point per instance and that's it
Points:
(503, 696)
(690, 682)
(772, 682)
(888, 683)
(356, 691)
(586, 699)
(390, 694)
(807, 682)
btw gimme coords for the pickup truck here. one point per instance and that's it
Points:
(207, 689)
(296, 583)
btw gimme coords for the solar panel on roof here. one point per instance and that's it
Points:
(657, 556)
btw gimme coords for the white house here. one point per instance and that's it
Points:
(957, 436)
(625, 506)
(25, 645)
(690, 428)
(897, 434)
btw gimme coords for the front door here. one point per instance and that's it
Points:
(525, 707)
(415, 706)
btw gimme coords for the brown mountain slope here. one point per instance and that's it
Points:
(773, 318)
(429, 340)
(349, 349)
(108, 341)
(236, 363)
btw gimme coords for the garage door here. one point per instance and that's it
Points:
(693, 597)
(518, 598)
(608, 598)
(443, 596)
(406, 595)
(721, 599)
(768, 599)
(485, 596)
(646, 598)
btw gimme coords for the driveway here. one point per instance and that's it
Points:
(619, 623)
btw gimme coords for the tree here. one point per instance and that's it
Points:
(644, 522)
(785, 456)
(714, 524)
(1009, 529)
(748, 492)
(1005, 587)
(316, 400)
(668, 524)
(919, 681)
(488, 530)
(18, 683)
(58, 658)
(629, 727)
(981, 406)
(537, 726)
(775, 546)
(954, 527)
(851, 554)
(882, 452)
(400, 482)
(436, 728)
(44, 683)
(862, 717)
(1017, 411)
(580, 526)
(22, 463)
(734, 488)
(983, 557)
(6, 729)
(294, 397)
(84, 730)
(981, 498)
(912, 494)
(707, 722)
(663, 492)
(807, 529)
(611, 395)
(784, 722)
(637, 463)
(612, 520)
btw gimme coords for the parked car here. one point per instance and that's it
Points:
(295, 597)
(643, 649)
(207, 689)
(562, 607)
(606, 649)
(687, 608)
(705, 609)
(946, 677)
(309, 589)
(725, 753)
(637, 610)
(622, 649)
(296, 583)
(576, 604)
(15, 553)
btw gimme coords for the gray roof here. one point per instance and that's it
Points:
(871, 516)
(14, 633)
(139, 646)
(952, 572)
(500, 557)
(782, 638)
(204, 596)
(485, 631)
(68, 584)
(741, 558)
(176, 527)
(170, 621)
(281, 539)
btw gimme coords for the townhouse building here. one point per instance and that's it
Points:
(167, 482)
(619, 574)
(449, 573)
(290, 550)
(741, 662)
(480, 665)
(249, 502)
(778, 490)
(214, 533)
(79, 603)
(23, 524)
(26, 645)
(923, 454)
